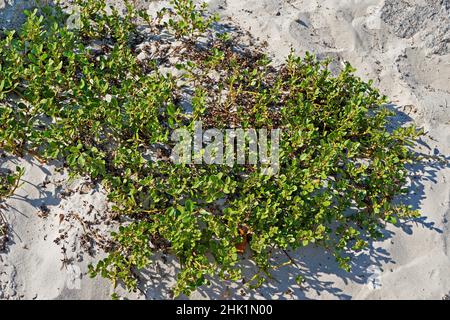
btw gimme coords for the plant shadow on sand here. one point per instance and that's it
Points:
(31, 197)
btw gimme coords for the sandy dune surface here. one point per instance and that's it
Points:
(404, 46)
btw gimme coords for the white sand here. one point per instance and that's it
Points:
(402, 45)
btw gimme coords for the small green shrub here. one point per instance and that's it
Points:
(100, 110)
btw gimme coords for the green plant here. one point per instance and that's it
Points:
(188, 20)
(9, 182)
(101, 111)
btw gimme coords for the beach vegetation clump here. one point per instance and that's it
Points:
(105, 98)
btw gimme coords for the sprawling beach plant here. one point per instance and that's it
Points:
(89, 98)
